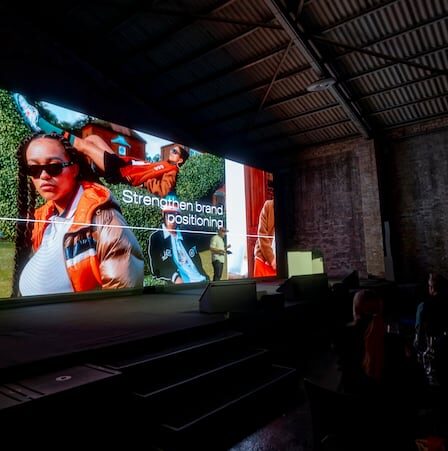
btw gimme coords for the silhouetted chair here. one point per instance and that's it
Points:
(352, 280)
(346, 422)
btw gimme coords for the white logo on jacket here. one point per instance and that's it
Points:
(166, 254)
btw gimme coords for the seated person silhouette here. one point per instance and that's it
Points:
(381, 369)
(431, 329)
(371, 360)
(431, 318)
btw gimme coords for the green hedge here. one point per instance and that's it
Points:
(199, 177)
(12, 130)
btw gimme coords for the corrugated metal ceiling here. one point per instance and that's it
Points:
(236, 72)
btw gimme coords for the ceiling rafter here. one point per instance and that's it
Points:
(288, 150)
(299, 10)
(300, 144)
(80, 43)
(202, 53)
(382, 39)
(303, 114)
(73, 55)
(322, 70)
(208, 18)
(415, 121)
(112, 26)
(406, 104)
(355, 17)
(248, 89)
(394, 59)
(81, 47)
(152, 43)
(274, 76)
(124, 19)
(298, 132)
(375, 70)
(330, 141)
(253, 119)
(393, 88)
(226, 72)
(251, 110)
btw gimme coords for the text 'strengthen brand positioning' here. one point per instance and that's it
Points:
(191, 219)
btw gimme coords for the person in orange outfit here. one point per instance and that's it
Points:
(264, 252)
(79, 239)
(158, 178)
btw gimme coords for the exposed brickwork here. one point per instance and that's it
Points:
(418, 174)
(422, 128)
(336, 207)
(334, 192)
(371, 213)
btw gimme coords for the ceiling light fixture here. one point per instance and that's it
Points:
(321, 84)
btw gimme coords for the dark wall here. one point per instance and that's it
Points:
(417, 174)
(334, 207)
(328, 216)
(330, 201)
(284, 217)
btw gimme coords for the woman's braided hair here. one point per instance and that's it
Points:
(26, 204)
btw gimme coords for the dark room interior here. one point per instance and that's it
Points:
(345, 103)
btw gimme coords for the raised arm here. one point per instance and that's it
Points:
(93, 147)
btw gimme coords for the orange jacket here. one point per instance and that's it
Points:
(159, 178)
(138, 172)
(266, 229)
(99, 253)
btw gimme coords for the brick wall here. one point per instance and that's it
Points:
(336, 207)
(417, 172)
(331, 202)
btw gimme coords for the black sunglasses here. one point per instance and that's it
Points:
(52, 169)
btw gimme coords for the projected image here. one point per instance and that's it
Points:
(261, 223)
(87, 204)
(78, 236)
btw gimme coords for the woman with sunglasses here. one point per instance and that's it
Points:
(79, 238)
(158, 178)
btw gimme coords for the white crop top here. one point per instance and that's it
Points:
(45, 272)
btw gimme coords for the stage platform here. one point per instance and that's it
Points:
(40, 332)
(74, 330)
(146, 368)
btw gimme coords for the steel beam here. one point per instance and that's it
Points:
(376, 54)
(308, 50)
(406, 104)
(297, 133)
(201, 54)
(225, 72)
(355, 17)
(247, 89)
(288, 119)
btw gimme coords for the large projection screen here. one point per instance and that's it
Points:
(144, 218)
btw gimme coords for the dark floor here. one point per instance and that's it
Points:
(292, 430)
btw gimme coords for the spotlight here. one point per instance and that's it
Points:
(321, 84)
